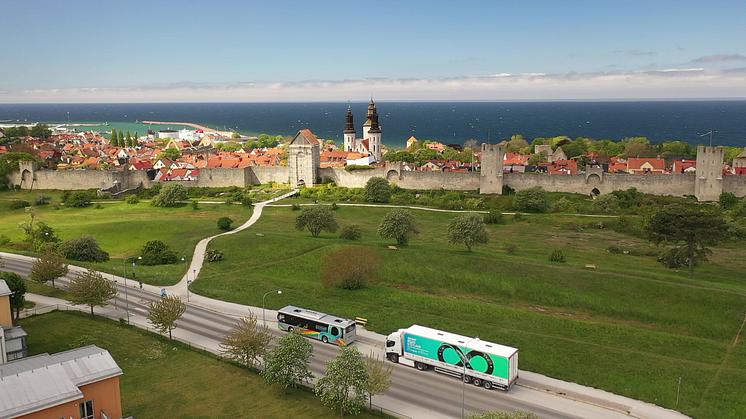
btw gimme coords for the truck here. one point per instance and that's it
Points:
(473, 360)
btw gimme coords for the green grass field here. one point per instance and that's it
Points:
(630, 326)
(164, 379)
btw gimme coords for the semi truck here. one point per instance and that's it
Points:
(470, 359)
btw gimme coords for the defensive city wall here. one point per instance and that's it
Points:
(706, 184)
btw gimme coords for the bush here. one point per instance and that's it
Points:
(295, 207)
(4, 239)
(377, 189)
(335, 206)
(18, 204)
(350, 268)
(85, 249)
(213, 255)
(42, 199)
(511, 248)
(728, 200)
(224, 223)
(170, 195)
(78, 199)
(557, 256)
(532, 200)
(507, 190)
(351, 232)
(494, 217)
(565, 205)
(155, 252)
(132, 199)
(606, 203)
(194, 205)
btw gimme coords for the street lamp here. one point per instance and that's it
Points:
(463, 377)
(264, 320)
(126, 294)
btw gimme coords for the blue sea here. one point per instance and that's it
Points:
(447, 122)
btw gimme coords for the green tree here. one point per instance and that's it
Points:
(128, 139)
(9, 164)
(164, 313)
(344, 384)
(532, 200)
(351, 232)
(114, 139)
(172, 153)
(155, 252)
(171, 194)
(398, 224)
(606, 203)
(351, 267)
(48, 267)
(537, 158)
(377, 189)
(224, 223)
(17, 286)
(286, 365)
(518, 414)
(728, 200)
(379, 376)
(84, 248)
(467, 228)
(40, 131)
(316, 219)
(690, 229)
(78, 199)
(247, 342)
(92, 289)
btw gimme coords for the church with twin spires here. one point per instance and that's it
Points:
(371, 141)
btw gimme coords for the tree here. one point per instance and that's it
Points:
(224, 223)
(398, 224)
(78, 199)
(518, 414)
(172, 153)
(351, 232)
(606, 203)
(170, 195)
(92, 289)
(287, 363)
(728, 200)
(164, 313)
(377, 189)
(246, 342)
(17, 286)
(344, 384)
(379, 376)
(468, 229)
(114, 140)
(84, 248)
(351, 267)
(128, 139)
(532, 200)
(155, 252)
(9, 163)
(691, 229)
(48, 267)
(40, 131)
(537, 158)
(316, 219)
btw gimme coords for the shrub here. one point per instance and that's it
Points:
(132, 199)
(224, 223)
(511, 248)
(728, 200)
(85, 249)
(377, 189)
(557, 256)
(532, 200)
(4, 239)
(565, 205)
(170, 195)
(295, 207)
(65, 195)
(494, 217)
(194, 205)
(18, 204)
(351, 232)
(213, 255)
(507, 190)
(155, 252)
(42, 199)
(334, 206)
(350, 268)
(353, 167)
(606, 203)
(78, 199)
(518, 217)
(98, 206)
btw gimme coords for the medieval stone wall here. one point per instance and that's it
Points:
(655, 184)
(735, 185)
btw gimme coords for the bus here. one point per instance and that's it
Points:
(321, 326)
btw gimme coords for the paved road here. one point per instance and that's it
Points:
(413, 393)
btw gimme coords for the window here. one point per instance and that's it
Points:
(350, 329)
(86, 410)
(390, 343)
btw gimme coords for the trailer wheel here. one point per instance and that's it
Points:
(325, 339)
(467, 379)
(488, 385)
(394, 358)
(420, 366)
(477, 382)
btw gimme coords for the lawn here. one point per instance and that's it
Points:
(630, 326)
(164, 379)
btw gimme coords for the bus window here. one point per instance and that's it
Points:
(350, 329)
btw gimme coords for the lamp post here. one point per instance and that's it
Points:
(126, 294)
(264, 320)
(463, 377)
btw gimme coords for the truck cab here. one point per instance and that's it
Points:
(394, 347)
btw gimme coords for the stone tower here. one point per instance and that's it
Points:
(491, 179)
(304, 158)
(28, 174)
(374, 135)
(349, 133)
(709, 183)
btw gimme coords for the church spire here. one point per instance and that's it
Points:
(350, 125)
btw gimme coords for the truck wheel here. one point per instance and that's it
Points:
(420, 366)
(394, 358)
(467, 379)
(477, 382)
(488, 385)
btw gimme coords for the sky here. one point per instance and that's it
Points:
(107, 51)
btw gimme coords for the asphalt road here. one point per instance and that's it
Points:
(414, 393)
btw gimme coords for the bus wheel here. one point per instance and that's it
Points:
(325, 339)
(467, 379)
(420, 366)
(477, 382)
(488, 385)
(394, 358)
(290, 329)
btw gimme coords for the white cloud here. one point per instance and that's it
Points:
(663, 84)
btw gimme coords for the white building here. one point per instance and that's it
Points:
(371, 141)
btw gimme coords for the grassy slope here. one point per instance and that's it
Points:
(631, 326)
(166, 380)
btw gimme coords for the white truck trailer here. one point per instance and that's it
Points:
(471, 359)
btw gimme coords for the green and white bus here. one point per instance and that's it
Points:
(316, 325)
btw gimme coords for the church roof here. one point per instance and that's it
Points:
(305, 137)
